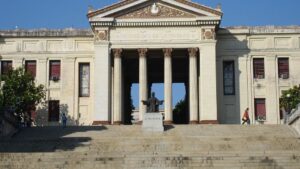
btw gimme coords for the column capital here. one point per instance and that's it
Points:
(117, 52)
(167, 52)
(142, 52)
(192, 52)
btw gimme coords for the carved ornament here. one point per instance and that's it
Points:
(142, 52)
(101, 35)
(168, 52)
(208, 34)
(193, 52)
(117, 52)
(157, 11)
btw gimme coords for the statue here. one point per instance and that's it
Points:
(152, 103)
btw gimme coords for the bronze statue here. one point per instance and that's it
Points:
(152, 103)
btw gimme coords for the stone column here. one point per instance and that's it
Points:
(143, 83)
(168, 84)
(193, 91)
(208, 83)
(117, 114)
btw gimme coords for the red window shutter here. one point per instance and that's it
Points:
(54, 69)
(260, 108)
(258, 68)
(283, 67)
(31, 67)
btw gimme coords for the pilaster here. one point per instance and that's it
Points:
(208, 83)
(102, 80)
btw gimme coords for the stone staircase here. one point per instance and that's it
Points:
(128, 147)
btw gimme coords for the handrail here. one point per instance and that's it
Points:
(293, 115)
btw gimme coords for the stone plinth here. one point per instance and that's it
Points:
(153, 122)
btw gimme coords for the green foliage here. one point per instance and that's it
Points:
(180, 106)
(19, 93)
(290, 98)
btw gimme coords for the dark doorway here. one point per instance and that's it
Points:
(53, 110)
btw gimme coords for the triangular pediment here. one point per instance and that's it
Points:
(155, 10)
(144, 9)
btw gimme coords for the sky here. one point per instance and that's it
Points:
(57, 14)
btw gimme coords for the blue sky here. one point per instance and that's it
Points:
(27, 14)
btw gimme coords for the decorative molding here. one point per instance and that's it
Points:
(208, 34)
(101, 35)
(168, 52)
(156, 24)
(193, 52)
(117, 52)
(156, 11)
(142, 52)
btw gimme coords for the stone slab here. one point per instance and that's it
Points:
(153, 122)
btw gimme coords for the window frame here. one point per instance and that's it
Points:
(281, 73)
(256, 100)
(233, 78)
(80, 64)
(52, 77)
(7, 71)
(255, 69)
(25, 64)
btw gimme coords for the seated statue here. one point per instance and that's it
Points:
(152, 103)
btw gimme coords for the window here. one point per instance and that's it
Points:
(258, 68)
(54, 70)
(6, 66)
(260, 109)
(283, 68)
(228, 78)
(84, 79)
(30, 67)
(53, 111)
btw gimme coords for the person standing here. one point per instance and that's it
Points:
(246, 118)
(64, 120)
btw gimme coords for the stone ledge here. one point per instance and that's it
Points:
(68, 32)
(259, 30)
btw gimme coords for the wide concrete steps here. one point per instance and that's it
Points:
(128, 147)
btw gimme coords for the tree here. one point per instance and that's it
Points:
(19, 94)
(290, 98)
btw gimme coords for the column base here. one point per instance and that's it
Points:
(194, 122)
(101, 123)
(209, 122)
(168, 122)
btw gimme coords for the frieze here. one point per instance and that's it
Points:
(157, 11)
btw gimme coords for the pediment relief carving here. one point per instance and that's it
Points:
(156, 10)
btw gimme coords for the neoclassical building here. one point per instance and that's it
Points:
(88, 74)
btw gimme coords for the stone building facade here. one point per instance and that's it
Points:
(88, 73)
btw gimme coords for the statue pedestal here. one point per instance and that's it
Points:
(153, 122)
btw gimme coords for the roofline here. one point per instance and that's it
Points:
(125, 2)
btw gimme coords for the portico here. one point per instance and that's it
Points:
(179, 33)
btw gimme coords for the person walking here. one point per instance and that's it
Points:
(64, 120)
(246, 118)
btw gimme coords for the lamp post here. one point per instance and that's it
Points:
(288, 103)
